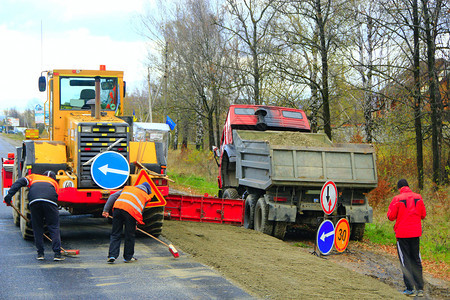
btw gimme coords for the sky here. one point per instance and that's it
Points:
(81, 34)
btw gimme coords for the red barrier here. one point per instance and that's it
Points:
(7, 171)
(204, 209)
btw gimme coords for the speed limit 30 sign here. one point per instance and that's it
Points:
(341, 235)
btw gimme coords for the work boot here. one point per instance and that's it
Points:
(58, 257)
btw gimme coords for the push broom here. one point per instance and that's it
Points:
(170, 246)
(63, 251)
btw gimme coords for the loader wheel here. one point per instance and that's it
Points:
(230, 193)
(16, 198)
(357, 231)
(249, 212)
(153, 218)
(279, 230)
(25, 227)
(16, 216)
(262, 222)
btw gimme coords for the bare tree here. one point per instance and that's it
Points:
(250, 23)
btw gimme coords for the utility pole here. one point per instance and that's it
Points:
(149, 97)
(165, 82)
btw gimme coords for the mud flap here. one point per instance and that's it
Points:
(282, 212)
(359, 214)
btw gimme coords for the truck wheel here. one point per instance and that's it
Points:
(25, 227)
(249, 212)
(262, 222)
(230, 193)
(153, 218)
(279, 230)
(357, 231)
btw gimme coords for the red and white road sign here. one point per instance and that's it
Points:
(328, 197)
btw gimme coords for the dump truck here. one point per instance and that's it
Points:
(89, 144)
(269, 158)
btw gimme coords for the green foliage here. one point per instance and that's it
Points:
(193, 183)
(194, 170)
(380, 233)
(302, 245)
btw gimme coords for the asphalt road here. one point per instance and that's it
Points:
(156, 274)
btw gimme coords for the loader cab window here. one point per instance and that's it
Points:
(75, 92)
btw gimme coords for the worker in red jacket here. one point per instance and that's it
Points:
(408, 210)
(128, 205)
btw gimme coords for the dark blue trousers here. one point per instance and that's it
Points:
(122, 218)
(43, 212)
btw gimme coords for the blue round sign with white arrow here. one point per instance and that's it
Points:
(325, 237)
(110, 170)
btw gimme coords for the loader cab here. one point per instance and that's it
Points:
(68, 94)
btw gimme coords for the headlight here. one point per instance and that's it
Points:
(86, 129)
(121, 129)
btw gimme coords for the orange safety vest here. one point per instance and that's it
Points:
(133, 200)
(34, 178)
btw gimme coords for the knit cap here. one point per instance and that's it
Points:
(401, 183)
(147, 186)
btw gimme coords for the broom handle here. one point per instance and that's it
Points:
(149, 235)
(26, 219)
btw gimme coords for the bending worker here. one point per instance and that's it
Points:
(43, 198)
(128, 205)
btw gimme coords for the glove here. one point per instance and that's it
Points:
(7, 200)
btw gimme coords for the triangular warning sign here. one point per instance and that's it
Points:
(143, 177)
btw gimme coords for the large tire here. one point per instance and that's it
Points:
(230, 193)
(25, 227)
(16, 203)
(262, 222)
(279, 230)
(153, 218)
(357, 231)
(16, 198)
(249, 211)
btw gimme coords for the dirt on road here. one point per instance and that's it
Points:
(269, 268)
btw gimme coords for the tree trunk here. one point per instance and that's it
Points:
(435, 117)
(324, 57)
(175, 136)
(417, 97)
(210, 130)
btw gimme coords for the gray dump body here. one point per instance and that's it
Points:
(272, 158)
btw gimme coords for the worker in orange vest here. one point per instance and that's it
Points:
(43, 198)
(128, 205)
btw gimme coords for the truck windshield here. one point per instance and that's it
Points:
(75, 92)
